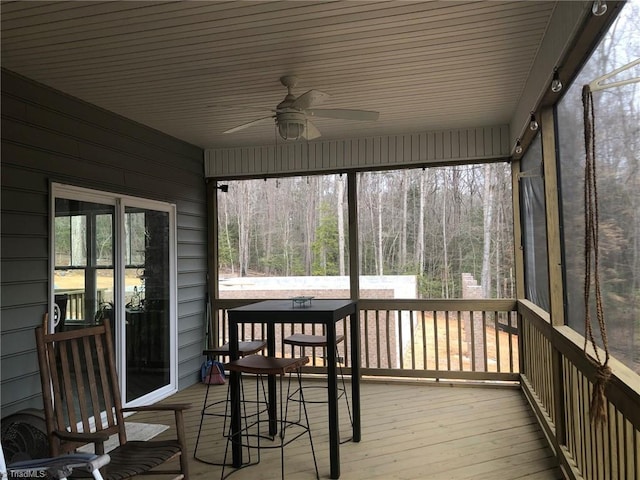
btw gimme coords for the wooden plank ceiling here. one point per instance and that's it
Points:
(196, 69)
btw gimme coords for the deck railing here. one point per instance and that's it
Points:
(72, 302)
(437, 339)
(558, 380)
(497, 340)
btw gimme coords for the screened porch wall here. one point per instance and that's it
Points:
(51, 137)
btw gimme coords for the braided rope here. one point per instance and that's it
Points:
(598, 407)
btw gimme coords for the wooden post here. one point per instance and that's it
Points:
(354, 256)
(212, 259)
(556, 287)
(518, 254)
(549, 159)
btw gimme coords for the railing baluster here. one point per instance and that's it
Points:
(496, 328)
(436, 346)
(460, 353)
(510, 317)
(365, 338)
(485, 358)
(378, 339)
(423, 327)
(389, 364)
(473, 341)
(448, 337)
(413, 340)
(400, 342)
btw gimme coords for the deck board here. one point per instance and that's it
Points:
(409, 431)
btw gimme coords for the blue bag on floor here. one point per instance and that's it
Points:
(212, 373)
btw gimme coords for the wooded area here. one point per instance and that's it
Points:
(435, 223)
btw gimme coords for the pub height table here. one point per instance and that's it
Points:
(313, 311)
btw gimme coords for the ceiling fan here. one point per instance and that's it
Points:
(292, 114)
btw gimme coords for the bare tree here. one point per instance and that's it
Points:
(489, 173)
(341, 226)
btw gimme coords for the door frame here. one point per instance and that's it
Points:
(119, 201)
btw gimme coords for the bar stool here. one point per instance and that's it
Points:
(250, 433)
(209, 409)
(320, 341)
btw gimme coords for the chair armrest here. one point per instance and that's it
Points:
(81, 437)
(159, 408)
(178, 411)
(97, 438)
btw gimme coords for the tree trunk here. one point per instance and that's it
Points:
(403, 228)
(379, 229)
(421, 221)
(445, 250)
(311, 223)
(78, 240)
(244, 227)
(487, 223)
(341, 226)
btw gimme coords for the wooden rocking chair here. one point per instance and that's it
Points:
(80, 384)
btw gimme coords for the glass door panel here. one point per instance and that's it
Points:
(83, 275)
(84, 282)
(147, 300)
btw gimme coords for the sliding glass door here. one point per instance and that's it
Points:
(147, 300)
(114, 258)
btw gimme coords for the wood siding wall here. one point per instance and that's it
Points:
(51, 137)
(370, 153)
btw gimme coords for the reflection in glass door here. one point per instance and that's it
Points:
(83, 263)
(147, 300)
(114, 258)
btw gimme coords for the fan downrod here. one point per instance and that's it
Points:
(289, 81)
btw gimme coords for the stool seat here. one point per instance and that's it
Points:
(261, 365)
(304, 340)
(244, 348)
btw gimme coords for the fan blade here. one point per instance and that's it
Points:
(309, 99)
(311, 131)
(247, 125)
(344, 114)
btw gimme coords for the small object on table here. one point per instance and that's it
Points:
(301, 302)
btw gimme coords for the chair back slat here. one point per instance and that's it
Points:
(117, 399)
(64, 389)
(79, 368)
(105, 383)
(92, 384)
(68, 380)
(45, 383)
(80, 384)
(55, 380)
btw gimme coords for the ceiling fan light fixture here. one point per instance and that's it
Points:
(291, 125)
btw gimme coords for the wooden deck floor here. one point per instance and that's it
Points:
(409, 431)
